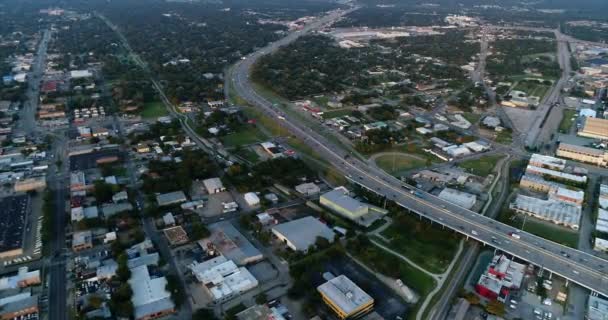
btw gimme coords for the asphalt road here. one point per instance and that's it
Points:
(580, 267)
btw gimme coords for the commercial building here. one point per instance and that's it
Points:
(542, 161)
(80, 213)
(78, 74)
(252, 199)
(501, 276)
(558, 212)
(213, 185)
(603, 198)
(23, 308)
(537, 183)
(345, 298)
(583, 154)
(226, 239)
(260, 312)
(166, 199)
(556, 174)
(176, 235)
(597, 308)
(601, 224)
(341, 203)
(82, 240)
(150, 298)
(30, 184)
(595, 128)
(308, 189)
(459, 198)
(302, 233)
(77, 181)
(222, 279)
(574, 197)
(23, 278)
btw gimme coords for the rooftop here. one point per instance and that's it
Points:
(598, 308)
(595, 126)
(345, 294)
(539, 159)
(582, 150)
(149, 294)
(303, 232)
(232, 244)
(171, 198)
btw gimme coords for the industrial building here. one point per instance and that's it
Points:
(542, 161)
(222, 279)
(345, 298)
(530, 169)
(150, 298)
(583, 154)
(459, 198)
(213, 185)
(167, 199)
(341, 203)
(537, 183)
(603, 198)
(597, 308)
(23, 278)
(308, 189)
(226, 239)
(501, 276)
(558, 212)
(595, 128)
(302, 233)
(601, 224)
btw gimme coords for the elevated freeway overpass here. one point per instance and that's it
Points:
(579, 267)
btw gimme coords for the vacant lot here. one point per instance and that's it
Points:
(243, 137)
(154, 110)
(336, 113)
(482, 166)
(568, 118)
(428, 246)
(395, 163)
(532, 88)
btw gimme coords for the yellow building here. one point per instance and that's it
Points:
(583, 154)
(345, 298)
(595, 128)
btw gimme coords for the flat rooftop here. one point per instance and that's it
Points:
(303, 233)
(345, 294)
(233, 244)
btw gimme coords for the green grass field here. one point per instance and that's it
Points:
(471, 117)
(336, 113)
(568, 118)
(395, 164)
(428, 246)
(532, 88)
(482, 166)
(504, 137)
(242, 137)
(154, 109)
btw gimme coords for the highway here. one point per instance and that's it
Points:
(580, 267)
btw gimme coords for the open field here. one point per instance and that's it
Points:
(396, 163)
(244, 136)
(428, 246)
(568, 119)
(336, 113)
(154, 109)
(482, 166)
(532, 88)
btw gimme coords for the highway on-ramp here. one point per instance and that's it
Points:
(577, 266)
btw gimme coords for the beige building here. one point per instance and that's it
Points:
(595, 128)
(583, 154)
(30, 184)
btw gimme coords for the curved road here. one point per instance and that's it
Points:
(580, 267)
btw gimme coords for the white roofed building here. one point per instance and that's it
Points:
(150, 298)
(222, 278)
(459, 198)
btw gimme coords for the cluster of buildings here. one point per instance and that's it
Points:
(18, 294)
(501, 277)
(561, 203)
(601, 224)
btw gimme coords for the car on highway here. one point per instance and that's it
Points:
(514, 235)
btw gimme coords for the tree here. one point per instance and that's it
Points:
(203, 314)
(261, 298)
(123, 273)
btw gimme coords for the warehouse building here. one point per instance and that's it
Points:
(459, 198)
(556, 174)
(213, 185)
(167, 199)
(345, 298)
(597, 308)
(302, 233)
(583, 154)
(226, 239)
(600, 245)
(341, 203)
(595, 128)
(542, 161)
(557, 212)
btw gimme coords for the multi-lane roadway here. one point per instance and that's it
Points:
(580, 267)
